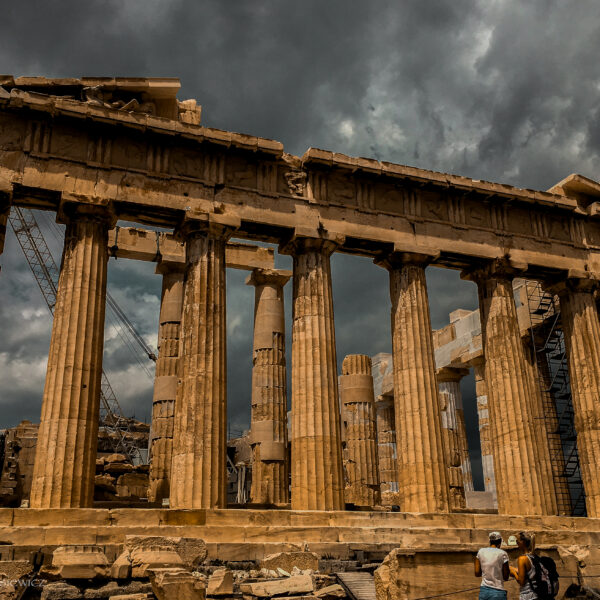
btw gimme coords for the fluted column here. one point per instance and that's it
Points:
(386, 449)
(544, 458)
(422, 472)
(465, 457)
(165, 382)
(358, 405)
(317, 476)
(65, 462)
(270, 481)
(519, 488)
(449, 393)
(582, 340)
(198, 475)
(485, 440)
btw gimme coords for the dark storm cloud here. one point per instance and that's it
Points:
(506, 91)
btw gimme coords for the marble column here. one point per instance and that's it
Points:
(512, 431)
(358, 405)
(544, 458)
(422, 472)
(485, 440)
(449, 393)
(581, 328)
(198, 472)
(165, 382)
(270, 471)
(386, 449)
(317, 474)
(65, 462)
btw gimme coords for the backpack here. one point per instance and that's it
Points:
(545, 581)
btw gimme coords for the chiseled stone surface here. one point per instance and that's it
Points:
(581, 327)
(422, 472)
(449, 394)
(270, 470)
(65, 461)
(165, 383)
(358, 406)
(485, 440)
(518, 483)
(386, 449)
(198, 478)
(317, 477)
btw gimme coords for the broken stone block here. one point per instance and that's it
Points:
(220, 583)
(115, 458)
(112, 589)
(297, 584)
(288, 560)
(7, 589)
(121, 568)
(191, 550)
(77, 562)
(132, 485)
(105, 482)
(14, 569)
(168, 584)
(60, 591)
(131, 597)
(330, 592)
(154, 557)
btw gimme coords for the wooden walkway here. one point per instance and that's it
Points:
(359, 585)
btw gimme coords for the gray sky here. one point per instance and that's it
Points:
(492, 89)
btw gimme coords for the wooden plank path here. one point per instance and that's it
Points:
(360, 585)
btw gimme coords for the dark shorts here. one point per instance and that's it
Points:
(488, 593)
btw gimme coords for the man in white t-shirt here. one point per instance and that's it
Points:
(491, 564)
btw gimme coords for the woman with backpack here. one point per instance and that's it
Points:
(536, 575)
(524, 572)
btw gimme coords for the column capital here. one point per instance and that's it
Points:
(75, 207)
(322, 241)
(216, 225)
(444, 374)
(497, 268)
(268, 277)
(401, 257)
(581, 281)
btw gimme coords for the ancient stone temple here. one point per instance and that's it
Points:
(376, 453)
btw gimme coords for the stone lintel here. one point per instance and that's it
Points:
(153, 246)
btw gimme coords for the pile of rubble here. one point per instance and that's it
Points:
(163, 568)
(118, 479)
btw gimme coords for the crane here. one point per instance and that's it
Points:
(46, 273)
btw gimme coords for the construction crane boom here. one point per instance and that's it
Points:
(46, 273)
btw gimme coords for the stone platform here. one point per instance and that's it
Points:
(237, 535)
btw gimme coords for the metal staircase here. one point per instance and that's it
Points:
(46, 273)
(549, 345)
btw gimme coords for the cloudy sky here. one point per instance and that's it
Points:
(492, 89)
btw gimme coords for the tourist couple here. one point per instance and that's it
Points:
(491, 564)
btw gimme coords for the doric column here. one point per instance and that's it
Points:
(358, 405)
(198, 475)
(422, 472)
(544, 459)
(450, 398)
(269, 389)
(512, 430)
(165, 382)
(317, 475)
(386, 449)
(582, 340)
(485, 440)
(65, 462)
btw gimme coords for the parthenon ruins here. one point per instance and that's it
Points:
(376, 457)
